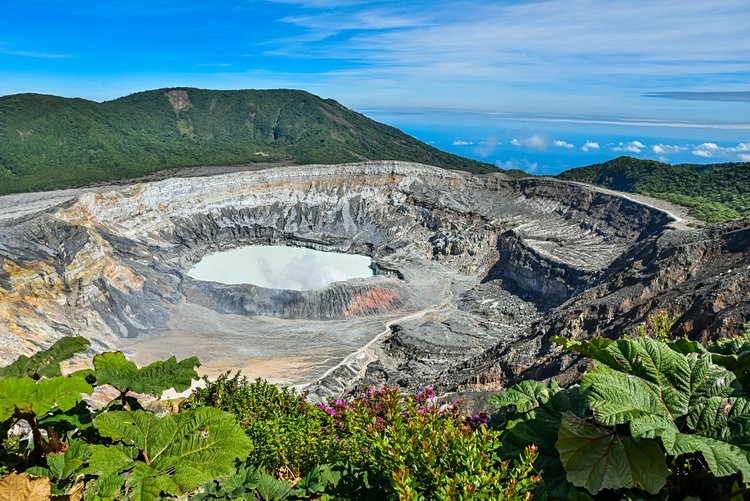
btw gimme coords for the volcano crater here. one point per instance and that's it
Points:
(465, 264)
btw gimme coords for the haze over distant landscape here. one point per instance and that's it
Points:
(542, 86)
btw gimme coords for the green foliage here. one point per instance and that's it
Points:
(176, 453)
(734, 355)
(597, 457)
(658, 325)
(247, 483)
(120, 454)
(667, 418)
(593, 348)
(381, 444)
(154, 379)
(45, 363)
(687, 402)
(66, 468)
(524, 422)
(713, 193)
(48, 142)
(22, 397)
(340, 481)
(289, 435)
(424, 450)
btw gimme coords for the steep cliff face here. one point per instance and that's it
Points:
(701, 277)
(468, 265)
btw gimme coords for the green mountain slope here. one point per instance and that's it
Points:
(713, 192)
(48, 142)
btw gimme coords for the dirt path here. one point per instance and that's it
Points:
(364, 356)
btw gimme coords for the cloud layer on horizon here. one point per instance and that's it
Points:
(737, 96)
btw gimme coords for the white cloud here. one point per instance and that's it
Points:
(463, 52)
(631, 147)
(709, 150)
(590, 145)
(523, 165)
(631, 122)
(741, 147)
(487, 147)
(562, 144)
(8, 50)
(508, 165)
(538, 142)
(667, 149)
(461, 142)
(745, 157)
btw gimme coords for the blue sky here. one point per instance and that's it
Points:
(518, 83)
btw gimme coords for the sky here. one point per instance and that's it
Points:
(539, 85)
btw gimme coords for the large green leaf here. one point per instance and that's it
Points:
(45, 363)
(540, 426)
(179, 451)
(723, 459)
(685, 346)
(24, 395)
(271, 489)
(105, 488)
(685, 400)
(594, 348)
(734, 354)
(598, 458)
(114, 369)
(526, 395)
(144, 483)
(143, 430)
(110, 460)
(64, 469)
(78, 417)
(69, 462)
(647, 378)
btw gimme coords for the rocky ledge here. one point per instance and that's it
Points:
(476, 273)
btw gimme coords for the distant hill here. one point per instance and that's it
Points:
(713, 192)
(49, 142)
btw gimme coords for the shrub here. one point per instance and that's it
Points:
(119, 451)
(379, 444)
(668, 418)
(289, 435)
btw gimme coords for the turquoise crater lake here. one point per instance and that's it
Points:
(279, 267)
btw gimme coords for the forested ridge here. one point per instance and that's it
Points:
(49, 142)
(712, 192)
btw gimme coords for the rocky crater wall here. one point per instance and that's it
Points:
(467, 261)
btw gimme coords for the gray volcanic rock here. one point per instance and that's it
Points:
(702, 277)
(475, 273)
